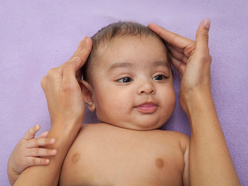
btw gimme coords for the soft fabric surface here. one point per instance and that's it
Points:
(38, 35)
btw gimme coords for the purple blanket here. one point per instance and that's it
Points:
(38, 35)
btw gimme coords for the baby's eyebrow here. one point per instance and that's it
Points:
(130, 65)
(161, 63)
(120, 65)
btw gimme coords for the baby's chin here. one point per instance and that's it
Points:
(137, 126)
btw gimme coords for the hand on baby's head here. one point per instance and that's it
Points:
(191, 59)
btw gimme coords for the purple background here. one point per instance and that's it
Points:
(38, 35)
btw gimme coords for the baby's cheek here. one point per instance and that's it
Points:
(169, 100)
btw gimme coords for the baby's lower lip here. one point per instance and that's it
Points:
(147, 108)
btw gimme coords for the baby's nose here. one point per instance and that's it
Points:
(146, 87)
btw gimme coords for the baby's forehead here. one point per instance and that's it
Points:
(103, 45)
(120, 47)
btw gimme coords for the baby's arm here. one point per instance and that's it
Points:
(29, 152)
(210, 162)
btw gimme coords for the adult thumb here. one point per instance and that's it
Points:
(202, 36)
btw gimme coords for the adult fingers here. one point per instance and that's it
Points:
(179, 56)
(175, 62)
(81, 45)
(59, 70)
(202, 36)
(170, 37)
(84, 53)
(179, 66)
(71, 67)
(31, 132)
(40, 142)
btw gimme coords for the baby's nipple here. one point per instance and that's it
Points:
(75, 157)
(159, 163)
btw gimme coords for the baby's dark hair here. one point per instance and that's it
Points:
(108, 33)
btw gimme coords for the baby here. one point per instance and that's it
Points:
(128, 82)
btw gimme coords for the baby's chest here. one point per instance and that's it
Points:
(106, 162)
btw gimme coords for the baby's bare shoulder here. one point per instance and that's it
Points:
(176, 137)
(173, 133)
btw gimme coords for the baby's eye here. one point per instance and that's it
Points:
(125, 80)
(159, 77)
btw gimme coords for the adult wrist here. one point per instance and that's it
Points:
(64, 130)
(67, 123)
(198, 102)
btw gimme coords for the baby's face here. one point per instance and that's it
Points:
(132, 83)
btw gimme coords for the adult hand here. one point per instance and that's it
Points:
(191, 59)
(63, 89)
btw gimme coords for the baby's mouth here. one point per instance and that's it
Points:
(147, 108)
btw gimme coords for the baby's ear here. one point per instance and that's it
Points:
(87, 92)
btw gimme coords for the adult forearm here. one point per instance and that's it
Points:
(210, 160)
(49, 175)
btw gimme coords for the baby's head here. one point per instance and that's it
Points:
(128, 79)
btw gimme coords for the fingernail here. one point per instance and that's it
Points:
(80, 42)
(47, 161)
(37, 127)
(87, 40)
(52, 140)
(76, 59)
(207, 23)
